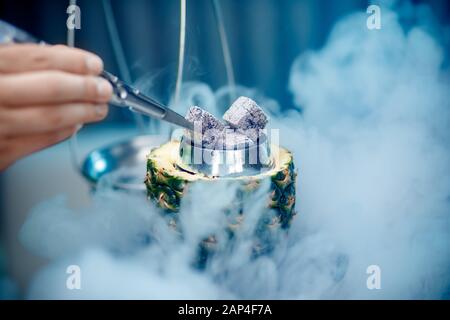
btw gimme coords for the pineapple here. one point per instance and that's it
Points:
(167, 184)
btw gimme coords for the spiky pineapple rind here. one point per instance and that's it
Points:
(167, 184)
(163, 171)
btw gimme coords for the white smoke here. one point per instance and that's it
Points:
(372, 148)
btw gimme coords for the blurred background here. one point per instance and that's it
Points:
(265, 37)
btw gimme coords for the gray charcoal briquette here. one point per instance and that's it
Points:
(245, 114)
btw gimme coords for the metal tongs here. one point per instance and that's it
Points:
(124, 95)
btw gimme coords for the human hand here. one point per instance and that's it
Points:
(46, 92)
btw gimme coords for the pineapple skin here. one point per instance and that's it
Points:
(166, 184)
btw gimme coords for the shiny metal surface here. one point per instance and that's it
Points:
(126, 96)
(122, 165)
(249, 159)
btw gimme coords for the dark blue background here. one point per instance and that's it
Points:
(265, 36)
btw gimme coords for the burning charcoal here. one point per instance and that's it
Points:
(211, 127)
(211, 138)
(194, 114)
(254, 135)
(208, 121)
(245, 115)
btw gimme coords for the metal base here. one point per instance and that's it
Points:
(245, 160)
(123, 164)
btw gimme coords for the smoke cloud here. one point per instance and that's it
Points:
(369, 133)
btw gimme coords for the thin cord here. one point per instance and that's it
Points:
(71, 31)
(225, 50)
(120, 54)
(115, 40)
(181, 50)
(73, 141)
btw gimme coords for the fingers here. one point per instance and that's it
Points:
(32, 57)
(45, 93)
(49, 87)
(19, 147)
(41, 119)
